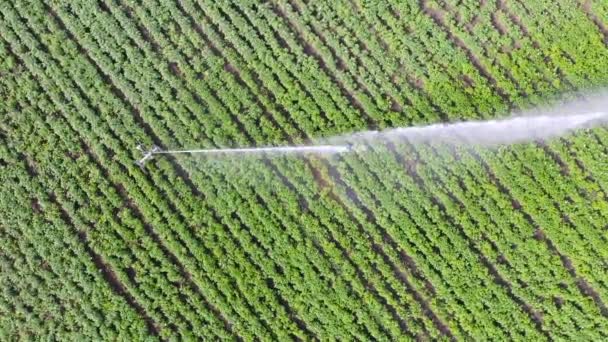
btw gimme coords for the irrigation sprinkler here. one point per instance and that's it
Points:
(483, 133)
(147, 154)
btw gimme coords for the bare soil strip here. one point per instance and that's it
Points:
(586, 6)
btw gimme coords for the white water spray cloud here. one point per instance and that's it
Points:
(485, 133)
(539, 123)
(536, 124)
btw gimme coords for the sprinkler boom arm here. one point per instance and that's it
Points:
(278, 149)
(148, 154)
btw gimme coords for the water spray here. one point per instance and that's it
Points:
(482, 133)
(489, 133)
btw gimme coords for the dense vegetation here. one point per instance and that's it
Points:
(400, 242)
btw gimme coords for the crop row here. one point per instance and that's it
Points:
(45, 265)
(279, 247)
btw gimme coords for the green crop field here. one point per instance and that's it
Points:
(399, 241)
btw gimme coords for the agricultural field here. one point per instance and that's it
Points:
(399, 241)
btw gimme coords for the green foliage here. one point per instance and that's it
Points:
(400, 242)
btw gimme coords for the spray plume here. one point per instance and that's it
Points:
(536, 124)
(482, 133)
(539, 123)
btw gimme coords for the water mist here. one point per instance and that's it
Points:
(531, 125)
